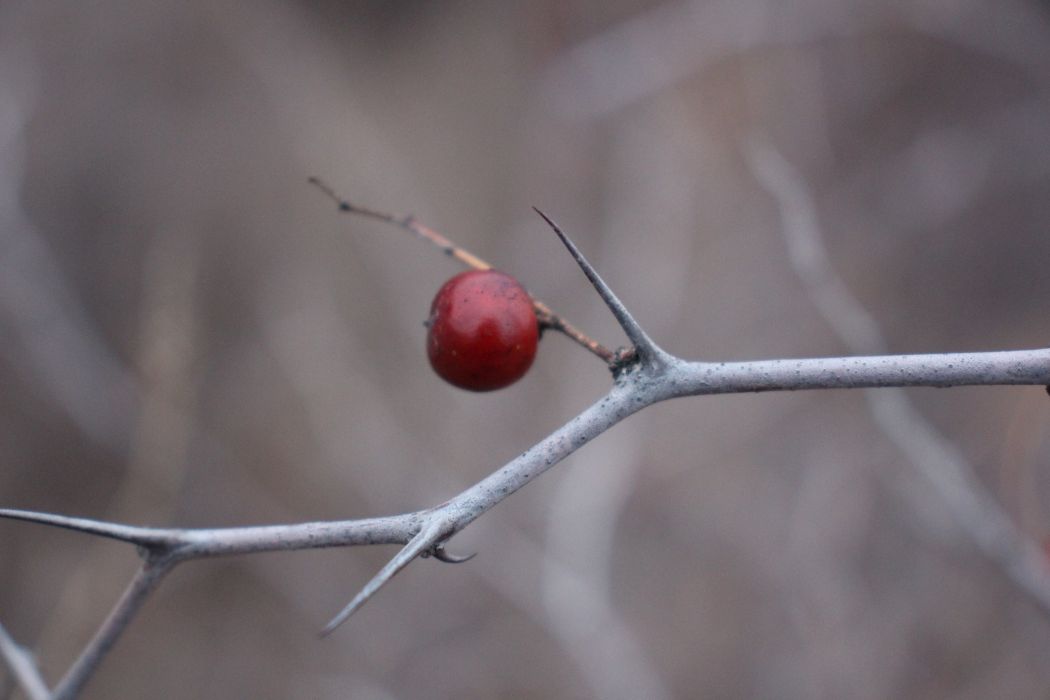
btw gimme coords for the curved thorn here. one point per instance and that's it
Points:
(141, 536)
(439, 552)
(423, 541)
(648, 352)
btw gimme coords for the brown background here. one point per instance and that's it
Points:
(190, 335)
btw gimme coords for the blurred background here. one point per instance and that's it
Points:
(190, 335)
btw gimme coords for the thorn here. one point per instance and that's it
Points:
(423, 541)
(438, 552)
(147, 538)
(648, 352)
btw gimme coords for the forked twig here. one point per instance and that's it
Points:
(425, 532)
(547, 318)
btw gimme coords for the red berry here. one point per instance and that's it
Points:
(482, 331)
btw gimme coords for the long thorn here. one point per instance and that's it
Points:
(648, 352)
(141, 536)
(423, 541)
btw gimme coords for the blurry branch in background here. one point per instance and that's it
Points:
(975, 510)
(576, 563)
(636, 59)
(51, 336)
(573, 607)
(651, 376)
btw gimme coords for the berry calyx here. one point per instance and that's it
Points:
(482, 331)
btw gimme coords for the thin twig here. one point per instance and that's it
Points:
(23, 668)
(136, 594)
(408, 223)
(546, 317)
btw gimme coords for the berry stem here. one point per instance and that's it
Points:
(547, 318)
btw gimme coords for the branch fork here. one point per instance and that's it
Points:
(644, 374)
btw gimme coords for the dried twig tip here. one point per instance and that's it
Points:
(330, 193)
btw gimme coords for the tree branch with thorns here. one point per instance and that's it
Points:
(644, 374)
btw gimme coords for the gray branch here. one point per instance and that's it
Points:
(652, 376)
(145, 582)
(23, 668)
